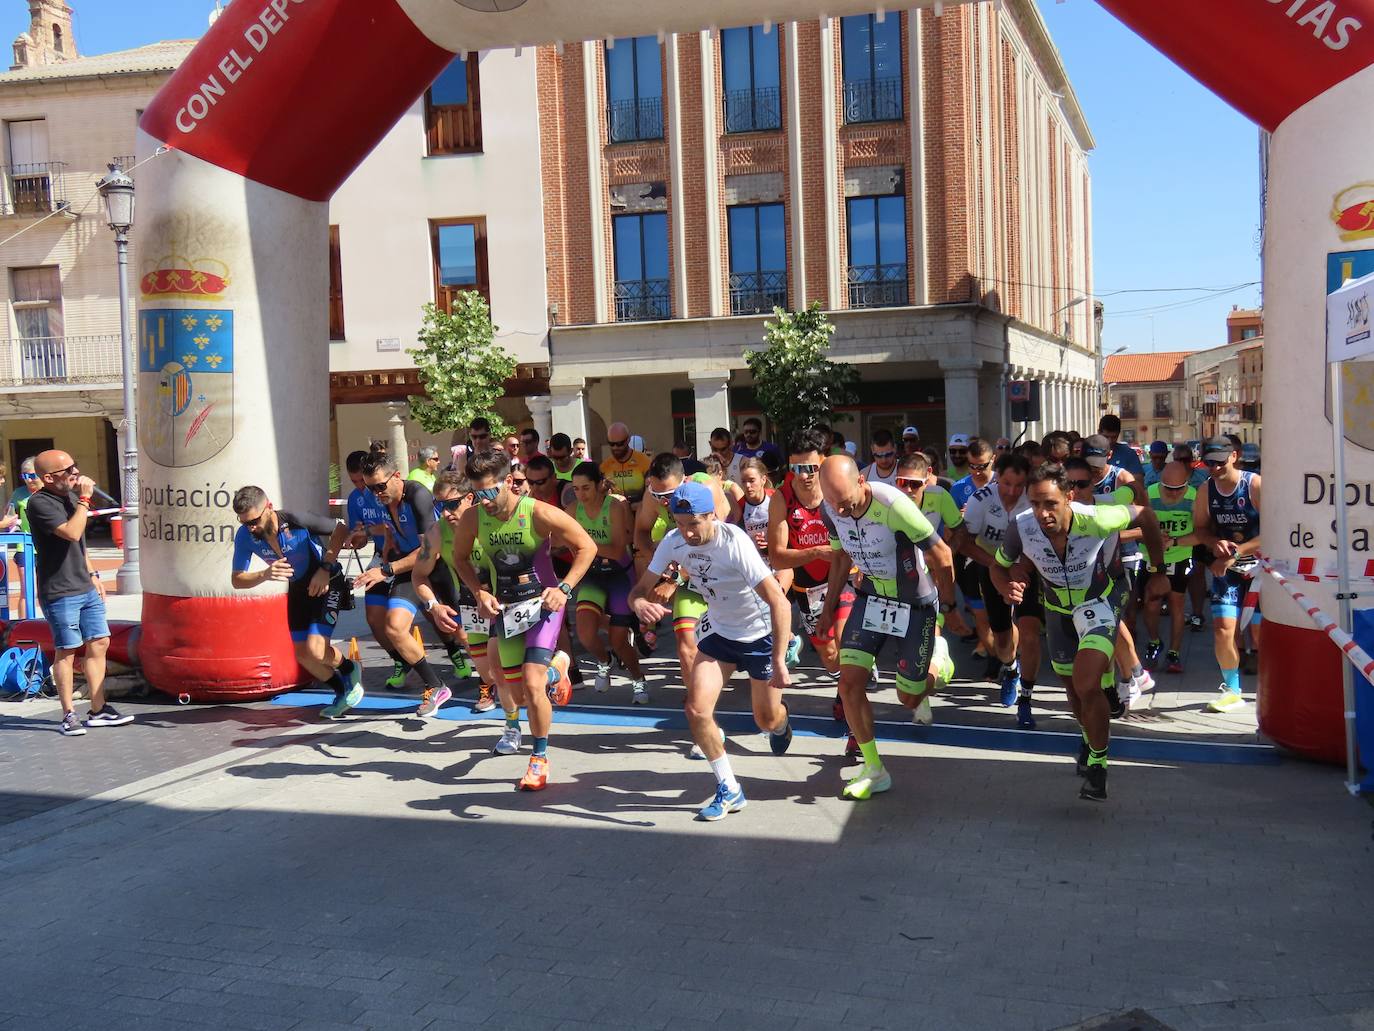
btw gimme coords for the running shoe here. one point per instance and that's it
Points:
(780, 743)
(1094, 786)
(867, 783)
(575, 675)
(462, 667)
(71, 725)
(1011, 685)
(1081, 763)
(107, 717)
(875, 679)
(944, 665)
(1175, 663)
(645, 641)
(536, 776)
(1140, 687)
(431, 700)
(793, 655)
(601, 683)
(397, 680)
(697, 753)
(1226, 700)
(509, 743)
(921, 715)
(639, 693)
(725, 802)
(851, 747)
(1114, 701)
(1151, 657)
(837, 710)
(560, 685)
(1025, 718)
(343, 703)
(1195, 624)
(485, 700)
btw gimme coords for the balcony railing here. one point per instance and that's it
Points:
(1164, 412)
(877, 286)
(641, 300)
(34, 361)
(872, 100)
(752, 110)
(756, 293)
(628, 120)
(32, 189)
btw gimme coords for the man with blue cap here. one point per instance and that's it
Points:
(1159, 458)
(747, 625)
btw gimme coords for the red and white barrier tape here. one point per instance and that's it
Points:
(1358, 657)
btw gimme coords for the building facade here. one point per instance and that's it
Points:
(921, 176)
(1225, 383)
(1149, 394)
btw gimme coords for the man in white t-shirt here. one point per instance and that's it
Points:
(883, 468)
(747, 624)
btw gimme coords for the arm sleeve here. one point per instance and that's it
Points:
(830, 529)
(910, 520)
(948, 510)
(1103, 520)
(318, 525)
(1124, 495)
(666, 552)
(1010, 549)
(243, 550)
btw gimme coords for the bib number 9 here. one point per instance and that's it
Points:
(516, 619)
(886, 616)
(1094, 618)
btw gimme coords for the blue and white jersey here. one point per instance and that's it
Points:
(365, 510)
(1234, 516)
(297, 537)
(962, 490)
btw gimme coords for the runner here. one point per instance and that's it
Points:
(1226, 518)
(367, 518)
(905, 566)
(746, 623)
(911, 441)
(526, 606)
(626, 468)
(883, 468)
(560, 453)
(1065, 542)
(604, 592)
(1015, 631)
(288, 546)
(1172, 497)
(959, 450)
(734, 493)
(976, 475)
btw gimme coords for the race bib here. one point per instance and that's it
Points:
(815, 597)
(704, 627)
(1095, 618)
(886, 616)
(472, 620)
(520, 617)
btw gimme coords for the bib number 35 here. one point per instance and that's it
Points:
(1094, 618)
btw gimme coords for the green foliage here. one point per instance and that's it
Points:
(463, 370)
(796, 384)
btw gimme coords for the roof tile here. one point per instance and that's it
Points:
(1163, 367)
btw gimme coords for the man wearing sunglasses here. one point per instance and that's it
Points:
(883, 468)
(747, 625)
(1226, 518)
(626, 468)
(911, 440)
(368, 519)
(977, 475)
(291, 551)
(958, 455)
(525, 602)
(1172, 497)
(754, 446)
(1122, 456)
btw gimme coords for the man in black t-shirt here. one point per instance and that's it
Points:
(69, 589)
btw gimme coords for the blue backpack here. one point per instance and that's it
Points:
(22, 672)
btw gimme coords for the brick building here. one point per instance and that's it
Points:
(922, 176)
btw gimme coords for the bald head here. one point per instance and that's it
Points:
(841, 486)
(52, 462)
(618, 436)
(1175, 475)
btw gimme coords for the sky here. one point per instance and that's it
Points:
(1175, 173)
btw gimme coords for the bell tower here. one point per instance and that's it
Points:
(49, 38)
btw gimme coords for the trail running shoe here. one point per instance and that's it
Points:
(867, 783)
(793, 655)
(509, 743)
(639, 693)
(71, 725)
(697, 753)
(724, 803)
(1094, 786)
(944, 665)
(107, 717)
(1025, 718)
(1011, 686)
(1175, 663)
(462, 666)
(560, 685)
(1226, 700)
(1151, 657)
(343, 703)
(536, 776)
(601, 683)
(921, 715)
(432, 700)
(397, 680)
(1140, 687)
(780, 743)
(485, 700)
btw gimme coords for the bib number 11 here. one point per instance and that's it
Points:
(886, 616)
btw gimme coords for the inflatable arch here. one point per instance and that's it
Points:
(283, 98)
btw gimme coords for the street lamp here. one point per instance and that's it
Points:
(1102, 388)
(117, 190)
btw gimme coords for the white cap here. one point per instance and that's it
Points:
(636, 442)
(959, 440)
(851, 447)
(911, 431)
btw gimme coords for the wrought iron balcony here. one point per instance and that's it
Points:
(877, 286)
(629, 120)
(32, 189)
(752, 110)
(872, 100)
(642, 300)
(756, 293)
(37, 361)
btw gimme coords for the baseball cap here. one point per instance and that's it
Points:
(1216, 449)
(1096, 450)
(1159, 448)
(692, 498)
(911, 431)
(959, 440)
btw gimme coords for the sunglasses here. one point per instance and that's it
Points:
(905, 483)
(1213, 464)
(1080, 484)
(518, 481)
(958, 455)
(256, 522)
(1173, 486)
(451, 504)
(380, 488)
(979, 466)
(28, 476)
(619, 443)
(804, 469)
(881, 455)
(1002, 447)
(487, 494)
(535, 483)
(663, 495)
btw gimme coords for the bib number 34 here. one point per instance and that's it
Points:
(516, 619)
(885, 616)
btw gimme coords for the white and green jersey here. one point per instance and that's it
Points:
(1084, 572)
(986, 519)
(938, 506)
(886, 543)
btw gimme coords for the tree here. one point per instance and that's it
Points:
(796, 384)
(463, 371)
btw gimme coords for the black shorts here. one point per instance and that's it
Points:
(446, 586)
(318, 615)
(967, 580)
(1000, 614)
(1177, 572)
(860, 647)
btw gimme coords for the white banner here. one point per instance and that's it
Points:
(1347, 320)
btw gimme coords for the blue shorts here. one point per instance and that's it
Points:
(1228, 596)
(754, 657)
(76, 619)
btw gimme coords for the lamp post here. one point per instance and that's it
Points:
(1103, 389)
(117, 190)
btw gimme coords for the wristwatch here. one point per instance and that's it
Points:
(947, 606)
(334, 568)
(566, 588)
(386, 569)
(429, 605)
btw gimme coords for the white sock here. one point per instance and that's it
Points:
(724, 775)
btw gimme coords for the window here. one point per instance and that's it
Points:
(453, 109)
(1249, 333)
(28, 180)
(758, 259)
(1127, 406)
(460, 260)
(641, 267)
(37, 301)
(634, 90)
(1164, 405)
(336, 314)
(749, 65)
(877, 251)
(871, 50)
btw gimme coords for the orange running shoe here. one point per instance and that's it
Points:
(536, 778)
(560, 690)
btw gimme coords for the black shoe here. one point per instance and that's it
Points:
(993, 670)
(780, 743)
(1094, 786)
(1118, 707)
(1195, 624)
(1249, 663)
(1081, 763)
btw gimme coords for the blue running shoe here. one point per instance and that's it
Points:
(1024, 718)
(724, 803)
(793, 655)
(1011, 686)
